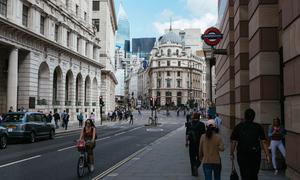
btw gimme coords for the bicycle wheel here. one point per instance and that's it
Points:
(80, 167)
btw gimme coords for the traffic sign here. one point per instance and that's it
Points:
(212, 36)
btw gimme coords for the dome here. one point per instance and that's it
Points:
(171, 37)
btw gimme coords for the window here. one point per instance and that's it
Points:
(158, 63)
(179, 63)
(3, 7)
(78, 43)
(56, 33)
(168, 63)
(42, 25)
(168, 83)
(94, 52)
(169, 52)
(68, 38)
(77, 10)
(159, 74)
(168, 73)
(178, 73)
(85, 16)
(25, 16)
(162, 52)
(178, 83)
(177, 52)
(158, 83)
(96, 23)
(86, 48)
(96, 5)
(67, 3)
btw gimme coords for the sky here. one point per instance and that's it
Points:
(149, 18)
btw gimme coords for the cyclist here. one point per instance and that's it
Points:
(88, 134)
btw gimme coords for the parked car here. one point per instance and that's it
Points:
(28, 126)
(3, 137)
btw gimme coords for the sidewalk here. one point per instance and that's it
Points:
(168, 159)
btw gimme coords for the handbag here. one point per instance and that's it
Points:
(234, 175)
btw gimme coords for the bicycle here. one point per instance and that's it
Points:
(83, 158)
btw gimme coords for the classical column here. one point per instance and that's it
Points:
(12, 80)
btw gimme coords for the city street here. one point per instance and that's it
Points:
(57, 159)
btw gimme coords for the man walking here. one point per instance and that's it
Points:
(247, 136)
(194, 130)
(66, 119)
(56, 119)
(218, 122)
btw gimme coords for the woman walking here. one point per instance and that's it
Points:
(276, 134)
(211, 144)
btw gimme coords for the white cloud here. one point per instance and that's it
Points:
(204, 14)
(200, 7)
(183, 23)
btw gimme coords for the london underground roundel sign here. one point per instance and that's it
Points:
(212, 36)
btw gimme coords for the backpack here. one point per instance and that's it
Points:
(249, 140)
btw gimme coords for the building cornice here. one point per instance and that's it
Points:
(110, 74)
(49, 42)
(113, 12)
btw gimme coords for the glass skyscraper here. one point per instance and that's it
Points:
(123, 32)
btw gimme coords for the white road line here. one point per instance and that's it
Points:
(103, 138)
(119, 133)
(116, 166)
(65, 148)
(12, 163)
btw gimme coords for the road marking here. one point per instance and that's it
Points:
(65, 148)
(119, 133)
(104, 138)
(116, 166)
(27, 159)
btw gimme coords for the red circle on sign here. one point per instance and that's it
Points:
(215, 31)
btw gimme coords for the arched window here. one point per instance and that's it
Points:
(177, 52)
(169, 52)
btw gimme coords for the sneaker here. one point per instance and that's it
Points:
(275, 172)
(91, 167)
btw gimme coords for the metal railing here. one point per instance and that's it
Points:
(55, 103)
(68, 103)
(41, 102)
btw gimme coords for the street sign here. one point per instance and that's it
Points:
(212, 36)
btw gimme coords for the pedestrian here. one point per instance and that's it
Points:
(131, 116)
(211, 144)
(218, 122)
(66, 120)
(1, 117)
(49, 117)
(247, 136)
(194, 130)
(56, 119)
(80, 119)
(11, 109)
(276, 135)
(93, 117)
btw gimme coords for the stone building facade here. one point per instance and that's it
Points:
(49, 56)
(176, 75)
(261, 68)
(105, 23)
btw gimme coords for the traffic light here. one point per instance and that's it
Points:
(101, 101)
(151, 101)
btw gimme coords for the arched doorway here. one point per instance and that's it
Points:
(69, 88)
(57, 86)
(179, 98)
(87, 91)
(43, 84)
(79, 90)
